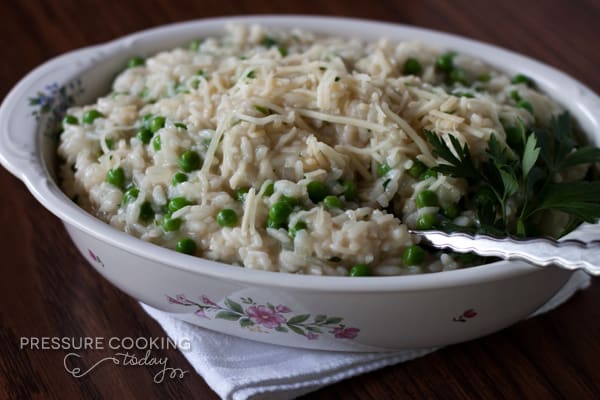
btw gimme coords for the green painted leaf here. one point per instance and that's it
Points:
(234, 306)
(320, 318)
(314, 329)
(228, 315)
(333, 320)
(245, 322)
(297, 330)
(281, 329)
(298, 319)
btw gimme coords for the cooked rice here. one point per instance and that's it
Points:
(336, 109)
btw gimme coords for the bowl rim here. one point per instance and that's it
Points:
(49, 194)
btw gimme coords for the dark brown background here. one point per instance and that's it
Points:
(47, 288)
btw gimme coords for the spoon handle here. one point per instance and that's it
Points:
(567, 254)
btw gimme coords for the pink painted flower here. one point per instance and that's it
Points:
(179, 299)
(341, 332)
(265, 317)
(200, 313)
(470, 313)
(91, 253)
(282, 309)
(208, 301)
(312, 336)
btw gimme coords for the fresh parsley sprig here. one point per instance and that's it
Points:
(523, 176)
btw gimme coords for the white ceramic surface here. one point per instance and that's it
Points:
(333, 313)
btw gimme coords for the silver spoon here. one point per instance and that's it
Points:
(567, 254)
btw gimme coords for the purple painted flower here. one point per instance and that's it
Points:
(265, 317)
(91, 253)
(341, 332)
(312, 336)
(282, 309)
(208, 301)
(200, 313)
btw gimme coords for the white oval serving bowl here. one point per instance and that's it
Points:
(330, 313)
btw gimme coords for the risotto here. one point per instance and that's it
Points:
(288, 151)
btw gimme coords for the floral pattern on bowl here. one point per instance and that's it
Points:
(467, 314)
(54, 101)
(267, 317)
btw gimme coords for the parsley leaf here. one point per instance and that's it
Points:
(530, 155)
(460, 165)
(514, 184)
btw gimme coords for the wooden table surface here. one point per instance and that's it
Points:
(47, 288)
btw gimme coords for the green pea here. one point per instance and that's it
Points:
(520, 78)
(429, 173)
(178, 178)
(271, 223)
(417, 169)
(279, 212)
(514, 94)
(349, 189)
(241, 193)
(90, 115)
(189, 161)
(186, 246)
(170, 224)
(412, 67)
(177, 203)
(360, 270)
(426, 221)
(145, 135)
(426, 198)
(332, 202)
(268, 42)
(269, 188)
(457, 75)
(383, 169)
(298, 226)
(283, 51)
(156, 143)
(194, 45)
(70, 120)
(526, 105)
(465, 259)
(110, 144)
(146, 211)
(451, 211)
(317, 191)
(135, 62)
(413, 255)
(130, 195)
(156, 123)
(146, 119)
(485, 77)
(227, 217)
(445, 62)
(116, 177)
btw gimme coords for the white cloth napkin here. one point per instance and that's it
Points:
(239, 369)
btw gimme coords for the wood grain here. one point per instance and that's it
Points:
(47, 288)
